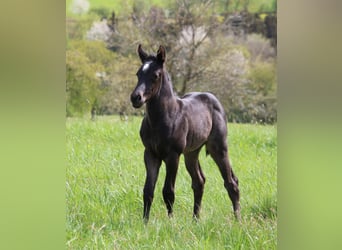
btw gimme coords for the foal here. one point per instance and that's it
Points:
(173, 126)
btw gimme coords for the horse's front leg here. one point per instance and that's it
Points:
(152, 165)
(171, 163)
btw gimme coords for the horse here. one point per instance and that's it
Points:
(173, 126)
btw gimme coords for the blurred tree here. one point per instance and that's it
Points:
(202, 55)
(81, 83)
(262, 81)
(88, 65)
(183, 36)
(121, 82)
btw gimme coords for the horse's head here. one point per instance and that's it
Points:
(149, 76)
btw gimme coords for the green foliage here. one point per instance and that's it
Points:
(85, 60)
(105, 177)
(76, 28)
(121, 82)
(263, 78)
(95, 51)
(101, 11)
(123, 7)
(202, 55)
(81, 84)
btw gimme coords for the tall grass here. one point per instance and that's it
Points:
(105, 178)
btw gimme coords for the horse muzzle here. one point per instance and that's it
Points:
(137, 100)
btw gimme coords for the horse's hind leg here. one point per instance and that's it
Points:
(198, 179)
(218, 151)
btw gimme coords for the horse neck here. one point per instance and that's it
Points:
(164, 103)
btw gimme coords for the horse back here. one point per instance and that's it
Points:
(204, 101)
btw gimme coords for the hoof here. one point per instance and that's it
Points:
(196, 217)
(237, 215)
(145, 219)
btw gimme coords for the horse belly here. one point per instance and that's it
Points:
(198, 134)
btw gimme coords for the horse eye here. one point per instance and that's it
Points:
(156, 76)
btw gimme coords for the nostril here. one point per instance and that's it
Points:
(135, 98)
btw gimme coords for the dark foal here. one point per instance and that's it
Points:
(173, 126)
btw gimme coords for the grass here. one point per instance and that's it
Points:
(105, 178)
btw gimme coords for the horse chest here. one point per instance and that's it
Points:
(160, 140)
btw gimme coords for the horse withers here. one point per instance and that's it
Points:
(173, 126)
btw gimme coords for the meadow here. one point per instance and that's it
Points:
(105, 178)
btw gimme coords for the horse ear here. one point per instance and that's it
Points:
(142, 54)
(161, 54)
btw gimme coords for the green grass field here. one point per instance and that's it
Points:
(105, 178)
